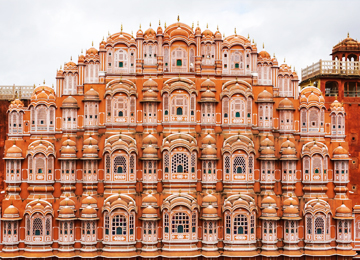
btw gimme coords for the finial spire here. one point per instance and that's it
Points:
(140, 27)
(263, 45)
(159, 23)
(198, 23)
(248, 36)
(217, 27)
(207, 25)
(150, 24)
(178, 18)
(92, 43)
(44, 81)
(235, 31)
(165, 25)
(121, 29)
(348, 35)
(192, 26)
(284, 60)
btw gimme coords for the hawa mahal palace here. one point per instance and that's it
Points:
(178, 143)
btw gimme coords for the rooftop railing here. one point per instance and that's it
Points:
(10, 92)
(331, 67)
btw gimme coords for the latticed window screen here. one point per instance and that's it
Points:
(180, 161)
(166, 222)
(132, 163)
(106, 223)
(227, 164)
(240, 224)
(239, 165)
(225, 104)
(314, 117)
(131, 224)
(180, 223)
(118, 226)
(166, 162)
(309, 225)
(120, 164)
(37, 227)
(319, 225)
(251, 164)
(228, 224)
(179, 102)
(48, 227)
(193, 222)
(107, 163)
(252, 224)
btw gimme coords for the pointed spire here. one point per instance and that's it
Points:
(284, 60)
(348, 35)
(207, 25)
(178, 18)
(121, 30)
(165, 25)
(44, 81)
(235, 31)
(192, 26)
(159, 23)
(217, 27)
(263, 45)
(248, 36)
(70, 57)
(140, 27)
(92, 43)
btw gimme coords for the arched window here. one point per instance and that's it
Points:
(120, 164)
(180, 223)
(121, 113)
(319, 226)
(37, 227)
(180, 169)
(118, 225)
(179, 111)
(237, 114)
(240, 225)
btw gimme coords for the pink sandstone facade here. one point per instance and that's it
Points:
(177, 143)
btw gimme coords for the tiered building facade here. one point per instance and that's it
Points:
(178, 143)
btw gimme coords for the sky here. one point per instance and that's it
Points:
(38, 36)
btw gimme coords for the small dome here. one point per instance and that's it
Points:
(267, 151)
(265, 96)
(149, 210)
(286, 104)
(91, 94)
(336, 104)
(287, 144)
(150, 32)
(89, 200)
(208, 139)
(11, 210)
(150, 83)
(207, 33)
(210, 210)
(67, 202)
(139, 34)
(149, 199)
(66, 211)
(209, 198)
(68, 142)
(150, 139)
(269, 210)
(268, 200)
(340, 151)
(70, 100)
(179, 32)
(90, 150)
(288, 151)
(150, 94)
(209, 150)
(68, 150)
(70, 64)
(42, 95)
(208, 94)
(291, 210)
(303, 99)
(266, 142)
(290, 201)
(90, 141)
(39, 206)
(14, 149)
(150, 150)
(208, 83)
(92, 51)
(264, 55)
(88, 211)
(119, 201)
(313, 98)
(240, 201)
(343, 209)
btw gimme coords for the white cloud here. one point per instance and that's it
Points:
(38, 36)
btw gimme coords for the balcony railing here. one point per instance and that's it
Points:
(331, 67)
(10, 92)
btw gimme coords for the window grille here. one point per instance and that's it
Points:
(180, 159)
(240, 225)
(180, 223)
(120, 164)
(239, 165)
(37, 227)
(118, 225)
